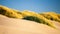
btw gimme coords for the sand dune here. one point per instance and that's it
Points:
(20, 26)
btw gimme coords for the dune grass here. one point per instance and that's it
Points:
(43, 18)
(29, 16)
(51, 16)
(9, 12)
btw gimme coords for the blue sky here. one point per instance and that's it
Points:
(33, 5)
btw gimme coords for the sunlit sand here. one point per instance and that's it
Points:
(20, 26)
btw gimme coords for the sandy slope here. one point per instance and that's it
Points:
(19, 26)
(57, 24)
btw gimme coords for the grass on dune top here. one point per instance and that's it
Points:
(43, 18)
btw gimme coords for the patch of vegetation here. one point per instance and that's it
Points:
(9, 12)
(32, 18)
(51, 16)
(59, 16)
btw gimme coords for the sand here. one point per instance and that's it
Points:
(57, 24)
(20, 26)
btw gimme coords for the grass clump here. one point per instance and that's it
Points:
(51, 16)
(37, 18)
(9, 12)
